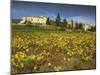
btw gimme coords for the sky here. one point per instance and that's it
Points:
(79, 13)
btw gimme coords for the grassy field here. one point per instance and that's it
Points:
(34, 29)
(38, 51)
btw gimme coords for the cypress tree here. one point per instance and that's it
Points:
(48, 21)
(65, 23)
(58, 19)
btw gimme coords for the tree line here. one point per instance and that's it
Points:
(65, 25)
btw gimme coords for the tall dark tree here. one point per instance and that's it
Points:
(48, 21)
(58, 20)
(93, 28)
(80, 25)
(77, 25)
(71, 24)
(65, 23)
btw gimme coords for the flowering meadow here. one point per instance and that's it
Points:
(46, 52)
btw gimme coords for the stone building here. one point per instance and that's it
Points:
(34, 20)
(73, 25)
(86, 27)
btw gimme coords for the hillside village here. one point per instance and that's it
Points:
(45, 21)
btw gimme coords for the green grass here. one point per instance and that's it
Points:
(35, 29)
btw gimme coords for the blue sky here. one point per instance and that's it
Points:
(80, 13)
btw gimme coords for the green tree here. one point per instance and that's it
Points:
(58, 20)
(93, 28)
(65, 23)
(80, 25)
(77, 25)
(71, 26)
(52, 22)
(48, 21)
